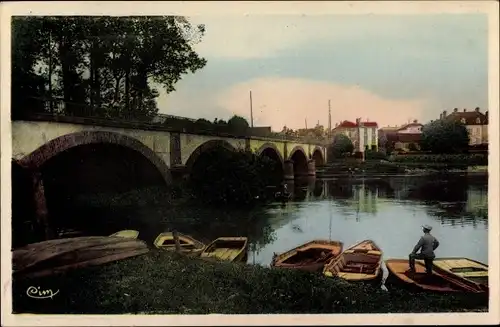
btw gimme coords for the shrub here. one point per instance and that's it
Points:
(451, 159)
(375, 155)
(341, 146)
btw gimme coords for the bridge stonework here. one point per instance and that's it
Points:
(165, 149)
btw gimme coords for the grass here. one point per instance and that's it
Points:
(167, 283)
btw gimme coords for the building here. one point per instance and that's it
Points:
(475, 121)
(406, 137)
(364, 135)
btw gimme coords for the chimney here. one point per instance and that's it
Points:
(358, 121)
(415, 121)
(477, 109)
(465, 110)
(455, 110)
(441, 116)
(444, 114)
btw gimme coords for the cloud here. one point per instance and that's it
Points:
(259, 36)
(290, 101)
(246, 37)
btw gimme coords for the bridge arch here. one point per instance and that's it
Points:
(270, 150)
(299, 157)
(318, 156)
(36, 159)
(212, 144)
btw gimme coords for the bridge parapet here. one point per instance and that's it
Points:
(54, 110)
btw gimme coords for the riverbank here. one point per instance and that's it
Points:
(383, 168)
(167, 283)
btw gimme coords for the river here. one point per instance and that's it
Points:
(389, 211)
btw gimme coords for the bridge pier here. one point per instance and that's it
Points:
(288, 170)
(311, 167)
(41, 210)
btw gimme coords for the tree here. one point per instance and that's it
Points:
(238, 124)
(203, 123)
(107, 64)
(221, 176)
(445, 136)
(341, 146)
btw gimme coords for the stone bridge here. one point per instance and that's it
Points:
(35, 142)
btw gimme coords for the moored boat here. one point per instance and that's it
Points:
(361, 262)
(465, 268)
(60, 255)
(310, 256)
(188, 244)
(419, 280)
(227, 249)
(126, 233)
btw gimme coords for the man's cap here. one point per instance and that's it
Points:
(429, 228)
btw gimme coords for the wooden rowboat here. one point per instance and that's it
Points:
(188, 244)
(310, 256)
(227, 249)
(127, 233)
(437, 282)
(360, 262)
(60, 255)
(465, 268)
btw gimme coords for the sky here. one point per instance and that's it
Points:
(384, 68)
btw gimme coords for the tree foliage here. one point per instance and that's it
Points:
(238, 123)
(445, 136)
(222, 176)
(102, 66)
(341, 146)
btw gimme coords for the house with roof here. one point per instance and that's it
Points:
(363, 134)
(404, 137)
(475, 121)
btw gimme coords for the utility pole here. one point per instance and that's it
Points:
(329, 120)
(251, 110)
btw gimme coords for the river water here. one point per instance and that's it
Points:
(389, 211)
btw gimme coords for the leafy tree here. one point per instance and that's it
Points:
(238, 124)
(203, 123)
(220, 122)
(221, 176)
(103, 66)
(26, 51)
(341, 146)
(445, 136)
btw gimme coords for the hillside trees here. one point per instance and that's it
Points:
(100, 66)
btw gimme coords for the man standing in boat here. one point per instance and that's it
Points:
(427, 244)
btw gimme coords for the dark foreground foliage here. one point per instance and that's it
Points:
(222, 176)
(163, 283)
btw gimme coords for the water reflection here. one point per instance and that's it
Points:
(390, 211)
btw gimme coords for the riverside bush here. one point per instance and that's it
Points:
(456, 159)
(375, 155)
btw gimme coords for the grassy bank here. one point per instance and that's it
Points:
(165, 283)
